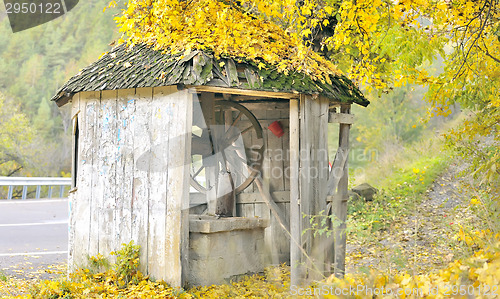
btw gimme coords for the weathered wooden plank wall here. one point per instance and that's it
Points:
(313, 180)
(275, 174)
(133, 177)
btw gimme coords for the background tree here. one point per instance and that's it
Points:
(15, 138)
(34, 63)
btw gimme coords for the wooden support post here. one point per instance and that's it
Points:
(336, 173)
(184, 225)
(340, 200)
(295, 219)
(210, 162)
(230, 204)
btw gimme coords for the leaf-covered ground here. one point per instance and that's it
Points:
(434, 243)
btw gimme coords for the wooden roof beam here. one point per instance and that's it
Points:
(247, 92)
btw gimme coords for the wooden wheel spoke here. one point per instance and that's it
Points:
(246, 130)
(198, 172)
(246, 162)
(244, 176)
(237, 119)
(234, 137)
(238, 157)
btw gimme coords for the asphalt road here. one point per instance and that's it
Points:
(33, 236)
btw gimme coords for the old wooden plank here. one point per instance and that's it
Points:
(75, 105)
(94, 115)
(265, 105)
(341, 118)
(124, 165)
(210, 162)
(107, 172)
(337, 170)
(278, 196)
(161, 122)
(285, 122)
(340, 201)
(184, 196)
(251, 210)
(231, 201)
(232, 72)
(273, 176)
(71, 195)
(142, 165)
(314, 170)
(266, 163)
(79, 222)
(258, 93)
(247, 210)
(295, 217)
(74, 152)
(247, 140)
(283, 239)
(305, 181)
(275, 155)
(322, 242)
(177, 225)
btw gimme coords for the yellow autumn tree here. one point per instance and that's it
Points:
(248, 31)
(377, 43)
(386, 43)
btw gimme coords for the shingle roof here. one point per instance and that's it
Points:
(140, 66)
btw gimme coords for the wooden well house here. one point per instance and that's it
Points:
(213, 166)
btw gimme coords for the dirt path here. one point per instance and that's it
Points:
(423, 240)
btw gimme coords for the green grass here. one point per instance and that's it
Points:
(3, 277)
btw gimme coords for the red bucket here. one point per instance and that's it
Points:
(276, 128)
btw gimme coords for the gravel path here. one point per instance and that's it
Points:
(422, 241)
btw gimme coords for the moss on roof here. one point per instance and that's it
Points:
(141, 66)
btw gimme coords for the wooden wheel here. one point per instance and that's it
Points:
(235, 142)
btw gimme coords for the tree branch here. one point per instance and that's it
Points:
(481, 29)
(14, 171)
(491, 56)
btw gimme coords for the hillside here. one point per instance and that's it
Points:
(37, 61)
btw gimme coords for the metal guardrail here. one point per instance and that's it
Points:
(13, 182)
